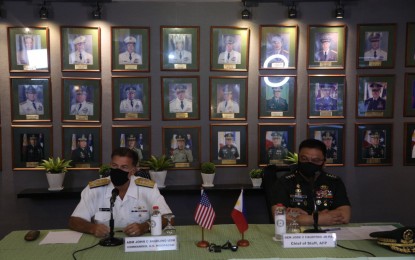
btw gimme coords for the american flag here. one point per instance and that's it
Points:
(204, 214)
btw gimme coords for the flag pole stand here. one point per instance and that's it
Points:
(203, 243)
(243, 242)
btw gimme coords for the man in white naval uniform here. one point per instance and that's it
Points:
(180, 104)
(229, 56)
(180, 55)
(80, 56)
(132, 206)
(130, 56)
(82, 107)
(131, 104)
(228, 105)
(31, 106)
(375, 53)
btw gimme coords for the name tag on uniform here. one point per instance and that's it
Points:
(104, 209)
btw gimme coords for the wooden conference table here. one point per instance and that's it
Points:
(13, 246)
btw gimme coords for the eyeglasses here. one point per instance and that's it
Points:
(317, 161)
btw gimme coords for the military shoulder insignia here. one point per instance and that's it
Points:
(99, 183)
(332, 176)
(290, 176)
(144, 182)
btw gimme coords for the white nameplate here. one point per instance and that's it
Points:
(302, 240)
(150, 243)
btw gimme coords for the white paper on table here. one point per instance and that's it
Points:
(61, 237)
(360, 233)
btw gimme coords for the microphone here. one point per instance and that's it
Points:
(114, 195)
(111, 240)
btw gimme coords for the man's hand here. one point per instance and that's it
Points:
(135, 229)
(100, 230)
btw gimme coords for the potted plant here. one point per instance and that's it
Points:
(158, 168)
(55, 172)
(104, 170)
(208, 173)
(256, 177)
(291, 158)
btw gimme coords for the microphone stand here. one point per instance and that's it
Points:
(111, 240)
(315, 228)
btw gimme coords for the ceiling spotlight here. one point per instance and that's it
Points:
(339, 12)
(43, 12)
(97, 13)
(292, 11)
(246, 14)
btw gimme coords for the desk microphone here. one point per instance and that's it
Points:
(111, 240)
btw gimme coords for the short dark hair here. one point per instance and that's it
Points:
(313, 143)
(125, 152)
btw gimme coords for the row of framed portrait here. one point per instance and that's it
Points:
(180, 96)
(228, 145)
(229, 48)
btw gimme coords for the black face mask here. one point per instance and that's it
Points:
(309, 169)
(118, 177)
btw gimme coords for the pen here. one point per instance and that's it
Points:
(331, 229)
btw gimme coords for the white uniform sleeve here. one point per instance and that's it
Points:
(89, 205)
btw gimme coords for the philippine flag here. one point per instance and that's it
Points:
(238, 214)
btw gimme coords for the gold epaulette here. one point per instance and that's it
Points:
(144, 182)
(99, 183)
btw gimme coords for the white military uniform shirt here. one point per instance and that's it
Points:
(136, 206)
(231, 107)
(234, 57)
(380, 55)
(181, 57)
(86, 109)
(75, 58)
(124, 58)
(27, 108)
(175, 106)
(126, 107)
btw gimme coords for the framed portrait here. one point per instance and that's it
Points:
(81, 100)
(81, 48)
(409, 100)
(228, 144)
(179, 49)
(327, 96)
(228, 98)
(131, 98)
(31, 99)
(229, 48)
(277, 96)
(275, 141)
(409, 144)
(376, 46)
(130, 49)
(279, 46)
(182, 145)
(332, 135)
(28, 49)
(137, 138)
(181, 98)
(326, 47)
(82, 144)
(30, 145)
(410, 45)
(375, 95)
(373, 144)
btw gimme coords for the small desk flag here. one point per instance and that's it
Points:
(204, 214)
(238, 214)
